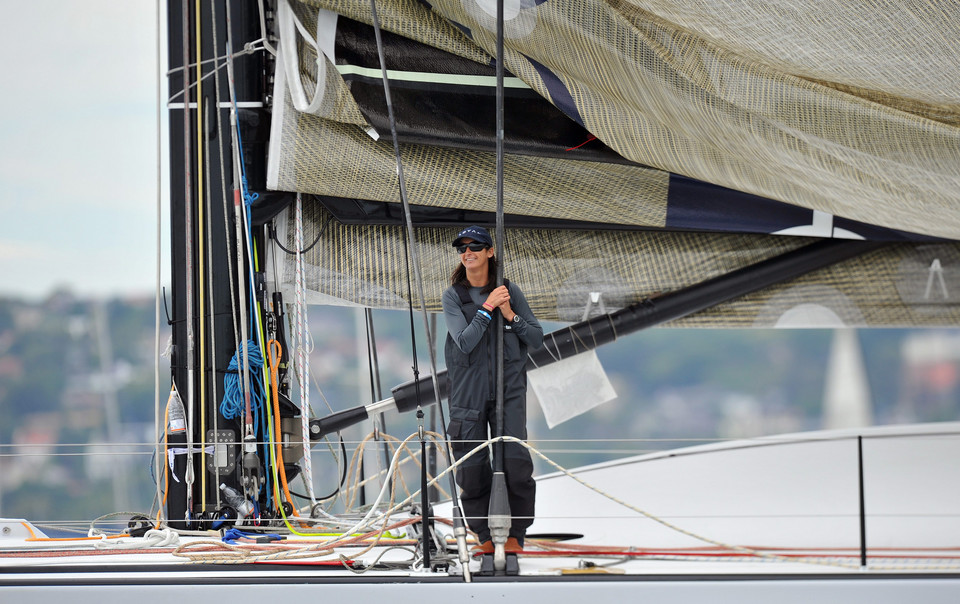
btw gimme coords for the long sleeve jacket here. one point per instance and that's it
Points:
(470, 348)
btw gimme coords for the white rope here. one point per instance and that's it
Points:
(301, 334)
(289, 27)
(371, 519)
(152, 538)
(263, 30)
(325, 548)
(220, 62)
(483, 446)
(413, 456)
(661, 521)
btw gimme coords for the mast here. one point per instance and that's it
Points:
(186, 287)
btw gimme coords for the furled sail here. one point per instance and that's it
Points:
(649, 146)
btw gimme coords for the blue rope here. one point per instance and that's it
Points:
(257, 396)
(232, 405)
(234, 534)
(248, 197)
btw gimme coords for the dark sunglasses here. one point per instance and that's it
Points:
(474, 247)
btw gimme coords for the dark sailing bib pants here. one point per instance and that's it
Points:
(473, 412)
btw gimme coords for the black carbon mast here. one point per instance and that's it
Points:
(194, 187)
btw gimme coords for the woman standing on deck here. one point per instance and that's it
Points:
(470, 305)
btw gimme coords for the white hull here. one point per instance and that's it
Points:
(794, 491)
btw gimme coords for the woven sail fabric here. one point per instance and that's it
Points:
(844, 110)
(559, 270)
(793, 101)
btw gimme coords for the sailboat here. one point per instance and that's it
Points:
(697, 164)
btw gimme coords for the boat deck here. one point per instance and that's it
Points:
(871, 515)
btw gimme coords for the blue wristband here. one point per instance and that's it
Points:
(480, 311)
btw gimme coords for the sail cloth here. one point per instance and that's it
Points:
(825, 119)
(568, 275)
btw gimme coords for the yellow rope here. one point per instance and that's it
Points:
(200, 242)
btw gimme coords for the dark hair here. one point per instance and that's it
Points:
(460, 275)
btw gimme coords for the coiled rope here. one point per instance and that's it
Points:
(232, 405)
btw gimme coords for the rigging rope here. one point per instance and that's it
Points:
(275, 352)
(226, 211)
(369, 518)
(238, 225)
(302, 359)
(249, 48)
(188, 262)
(837, 557)
(200, 256)
(379, 422)
(224, 187)
(152, 538)
(234, 398)
(263, 30)
(300, 249)
(412, 456)
(213, 349)
(159, 270)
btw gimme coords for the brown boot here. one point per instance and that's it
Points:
(484, 548)
(512, 545)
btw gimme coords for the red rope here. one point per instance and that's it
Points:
(589, 139)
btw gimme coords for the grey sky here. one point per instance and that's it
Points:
(78, 147)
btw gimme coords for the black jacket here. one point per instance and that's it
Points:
(470, 348)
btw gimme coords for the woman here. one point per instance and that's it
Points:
(470, 306)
